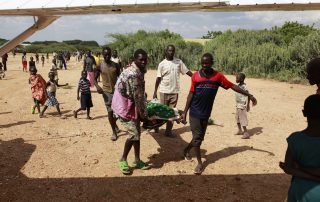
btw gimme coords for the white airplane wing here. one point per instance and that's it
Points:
(76, 7)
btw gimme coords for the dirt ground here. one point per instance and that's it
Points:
(53, 159)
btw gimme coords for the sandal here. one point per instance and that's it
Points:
(198, 170)
(141, 165)
(124, 167)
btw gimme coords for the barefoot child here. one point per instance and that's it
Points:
(24, 62)
(38, 89)
(313, 73)
(51, 92)
(85, 99)
(302, 159)
(204, 87)
(242, 106)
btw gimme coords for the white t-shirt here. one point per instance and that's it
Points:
(170, 71)
(116, 60)
(241, 100)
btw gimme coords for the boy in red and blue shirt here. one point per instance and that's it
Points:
(204, 88)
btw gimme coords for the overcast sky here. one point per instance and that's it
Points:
(189, 25)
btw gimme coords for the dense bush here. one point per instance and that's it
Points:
(154, 43)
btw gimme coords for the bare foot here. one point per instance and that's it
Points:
(75, 115)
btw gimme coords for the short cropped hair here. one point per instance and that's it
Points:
(138, 52)
(242, 75)
(208, 55)
(312, 107)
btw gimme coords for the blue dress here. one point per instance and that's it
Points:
(306, 151)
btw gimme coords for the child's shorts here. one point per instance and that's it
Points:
(86, 101)
(241, 117)
(198, 128)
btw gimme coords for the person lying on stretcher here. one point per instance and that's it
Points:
(159, 114)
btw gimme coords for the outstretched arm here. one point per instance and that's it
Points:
(156, 86)
(239, 90)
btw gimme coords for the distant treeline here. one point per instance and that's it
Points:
(279, 53)
(55, 46)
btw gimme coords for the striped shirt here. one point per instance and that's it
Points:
(84, 86)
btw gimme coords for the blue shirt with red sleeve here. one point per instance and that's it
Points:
(204, 92)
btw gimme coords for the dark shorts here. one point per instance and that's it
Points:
(198, 128)
(85, 101)
(107, 97)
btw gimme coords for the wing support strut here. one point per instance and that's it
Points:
(42, 22)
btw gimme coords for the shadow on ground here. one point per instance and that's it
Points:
(15, 186)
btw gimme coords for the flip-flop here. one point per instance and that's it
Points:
(141, 165)
(198, 170)
(124, 167)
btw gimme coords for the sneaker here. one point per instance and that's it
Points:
(246, 135)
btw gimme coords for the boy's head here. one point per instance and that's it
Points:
(31, 58)
(115, 53)
(311, 108)
(106, 52)
(313, 71)
(51, 75)
(141, 59)
(170, 51)
(207, 61)
(33, 70)
(84, 74)
(240, 77)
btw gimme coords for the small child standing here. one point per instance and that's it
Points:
(242, 107)
(38, 89)
(42, 60)
(302, 159)
(51, 92)
(24, 62)
(32, 63)
(85, 98)
(313, 73)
